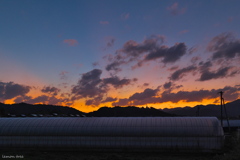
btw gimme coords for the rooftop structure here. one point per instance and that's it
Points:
(120, 133)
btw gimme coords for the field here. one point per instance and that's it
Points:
(231, 151)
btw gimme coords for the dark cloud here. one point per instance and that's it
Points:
(40, 99)
(121, 102)
(91, 76)
(220, 73)
(224, 46)
(145, 84)
(11, 90)
(204, 66)
(151, 48)
(116, 81)
(190, 96)
(195, 59)
(145, 97)
(54, 100)
(230, 94)
(147, 93)
(114, 66)
(204, 69)
(132, 51)
(178, 74)
(109, 99)
(167, 85)
(168, 54)
(20, 99)
(94, 101)
(89, 85)
(93, 87)
(51, 90)
(173, 68)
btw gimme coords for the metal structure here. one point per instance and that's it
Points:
(223, 106)
(120, 133)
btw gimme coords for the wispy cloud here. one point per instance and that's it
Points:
(184, 31)
(125, 16)
(71, 42)
(230, 19)
(109, 42)
(63, 74)
(175, 10)
(104, 22)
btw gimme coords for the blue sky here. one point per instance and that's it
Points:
(47, 48)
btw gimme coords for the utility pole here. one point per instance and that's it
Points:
(221, 100)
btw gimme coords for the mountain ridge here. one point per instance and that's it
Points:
(232, 108)
(24, 109)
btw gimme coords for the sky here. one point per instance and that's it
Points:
(87, 54)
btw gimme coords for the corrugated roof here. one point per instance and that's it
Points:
(112, 126)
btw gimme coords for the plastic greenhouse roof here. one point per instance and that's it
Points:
(112, 126)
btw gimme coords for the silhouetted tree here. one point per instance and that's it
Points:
(2, 112)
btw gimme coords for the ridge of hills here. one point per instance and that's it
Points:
(26, 110)
(130, 111)
(232, 108)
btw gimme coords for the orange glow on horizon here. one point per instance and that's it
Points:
(87, 109)
(9, 101)
(80, 104)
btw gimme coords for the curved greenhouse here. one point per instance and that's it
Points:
(120, 133)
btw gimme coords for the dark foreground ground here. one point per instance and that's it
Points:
(231, 151)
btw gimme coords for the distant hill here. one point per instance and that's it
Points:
(232, 108)
(24, 109)
(21, 109)
(129, 111)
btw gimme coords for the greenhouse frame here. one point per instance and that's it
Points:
(202, 134)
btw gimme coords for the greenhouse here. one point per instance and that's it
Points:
(113, 133)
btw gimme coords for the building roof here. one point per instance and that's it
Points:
(112, 126)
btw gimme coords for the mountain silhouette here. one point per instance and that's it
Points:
(232, 108)
(20, 109)
(24, 109)
(130, 111)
